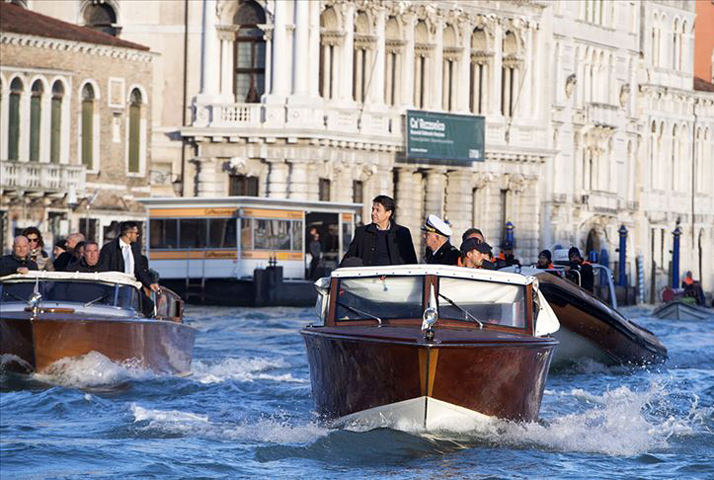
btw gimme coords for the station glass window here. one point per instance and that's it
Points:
(222, 233)
(297, 231)
(163, 233)
(192, 232)
(271, 234)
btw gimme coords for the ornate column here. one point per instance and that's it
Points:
(463, 95)
(302, 32)
(435, 183)
(376, 89)
(226, 37)
(404, 193)
(298, 184)
(343, 183)
(209, 53)
(406, 96)
(459, 203)
(346, 57)
(495, 89)
(436, 72)
(314, 50)
(281, 55)
(278, 179)
(206, 184)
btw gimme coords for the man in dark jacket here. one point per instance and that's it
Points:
(70, 255)
(19, 260)
(382, 242)
(89, 261)
(587, 276)
(124, 255)
(438, 248)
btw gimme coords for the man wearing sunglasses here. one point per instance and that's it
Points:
(19, 260)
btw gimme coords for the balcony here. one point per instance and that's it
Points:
(38, 179)
(603, 115)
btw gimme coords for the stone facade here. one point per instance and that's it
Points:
(72, 189)
(592, 121)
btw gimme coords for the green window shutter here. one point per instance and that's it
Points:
(88, 133)
(56, 129)
(134, 137)
(35, 113)
(14, 127)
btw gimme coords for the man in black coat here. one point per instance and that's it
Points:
(438, 248)
(587, 275)
(19, 260)
(124, 255)
(89, 261)
(382, 242)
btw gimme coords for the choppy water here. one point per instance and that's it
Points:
(246, 410)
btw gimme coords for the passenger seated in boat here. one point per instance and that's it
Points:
(382, 242)
(89, 261)
(439, 250)
(69, 255)
(693, 288)
(577, 263)
(476, 254)
(19, 260)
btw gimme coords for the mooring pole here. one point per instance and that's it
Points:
(675, 257)
(622, 277)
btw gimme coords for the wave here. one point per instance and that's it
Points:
(243, 370)
(620, 422)
(92, 370)
(273, 429)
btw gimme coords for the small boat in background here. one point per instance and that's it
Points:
(428, 346)
(678, 310)
(47, 316)
(592, 329)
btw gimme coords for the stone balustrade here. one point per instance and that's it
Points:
(40, 177)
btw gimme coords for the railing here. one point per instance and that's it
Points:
(51, 177)
(603, 114)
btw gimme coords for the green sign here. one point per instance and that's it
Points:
(444, 139)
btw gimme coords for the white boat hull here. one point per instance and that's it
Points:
(421, 413)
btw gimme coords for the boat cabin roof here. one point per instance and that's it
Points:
(439, 270)
(98, 277)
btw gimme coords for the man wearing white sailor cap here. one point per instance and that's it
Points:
(436, 236)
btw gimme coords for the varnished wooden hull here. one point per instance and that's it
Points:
(589, 329)
(364, 370)
(33, 345)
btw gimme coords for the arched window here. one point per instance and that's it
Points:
(134, 131)
(450, 70)
(35, 120)
(392, 62)
(249, 53)
(675, 153)
(676, 39)
(360, 59)
(56, 127)
(479, 71)
(13, 138)
(101, 16)
(328, 53)
(421, 64)
(653, 155)
(88, 126)
(683, 52)
(509, 77)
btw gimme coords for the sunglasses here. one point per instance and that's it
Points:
(33, 240)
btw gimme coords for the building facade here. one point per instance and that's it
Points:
(74, 127)
(592, 118)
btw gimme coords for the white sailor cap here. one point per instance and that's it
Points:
(435, 224)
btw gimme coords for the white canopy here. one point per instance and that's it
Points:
(98, 277)
(496, 276)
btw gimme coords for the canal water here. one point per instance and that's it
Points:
(246, 411)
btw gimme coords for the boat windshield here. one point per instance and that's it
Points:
(383, 297)
(494, 303)
(86, 293)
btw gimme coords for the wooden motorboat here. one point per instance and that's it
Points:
(592, 329)
(47, 316)
(678, 310)
(428, 345)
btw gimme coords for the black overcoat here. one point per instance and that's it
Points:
(446, 255)
(399, 243)
(112, 260)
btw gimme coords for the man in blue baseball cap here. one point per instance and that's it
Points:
(436, 236)
(476, 254)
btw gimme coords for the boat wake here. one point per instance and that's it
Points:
(274, 429)
(620, 422)
(92, 370)
(243, 370)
